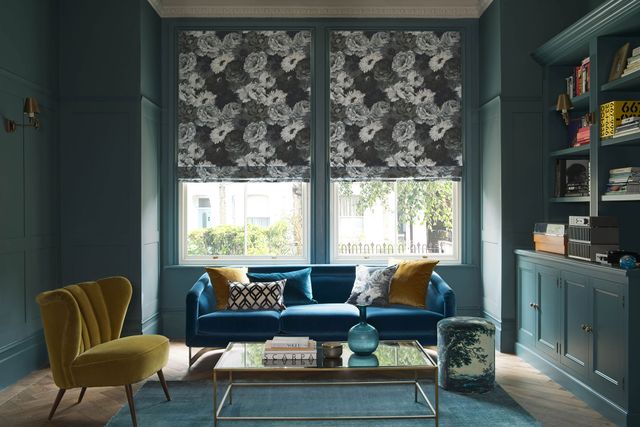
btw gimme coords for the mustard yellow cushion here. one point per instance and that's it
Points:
(121, 361)
(220, 278)
(410, 281)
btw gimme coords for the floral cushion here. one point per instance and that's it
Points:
(371, 286)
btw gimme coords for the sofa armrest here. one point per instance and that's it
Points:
(199, 302)
(440, 296)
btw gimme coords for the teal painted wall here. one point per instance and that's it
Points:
(110, 132)
(511, 116)
(29, 231)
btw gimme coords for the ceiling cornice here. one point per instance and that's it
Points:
(187, 10)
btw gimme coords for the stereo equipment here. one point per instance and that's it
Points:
(591, 235)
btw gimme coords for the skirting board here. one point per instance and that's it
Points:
(19, 359)
(594, 399)
(505, 333)
(152, 325)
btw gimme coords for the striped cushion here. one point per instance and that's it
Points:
(256, 296)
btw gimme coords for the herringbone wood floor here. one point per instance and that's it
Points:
(27, 403)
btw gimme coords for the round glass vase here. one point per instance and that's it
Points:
(363, 338)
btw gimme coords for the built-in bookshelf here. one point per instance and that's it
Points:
(598, 39)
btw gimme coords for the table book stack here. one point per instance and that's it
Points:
(624, 181)
(294, 351)
(633, 62)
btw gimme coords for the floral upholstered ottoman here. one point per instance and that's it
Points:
(466, 354)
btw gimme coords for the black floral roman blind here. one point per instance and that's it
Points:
(395, 105)
(243, 105)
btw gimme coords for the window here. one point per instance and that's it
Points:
(396, 218)
(256, 220)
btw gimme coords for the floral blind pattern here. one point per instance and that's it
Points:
(395, 105)
(243, 105)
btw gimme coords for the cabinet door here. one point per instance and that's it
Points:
(574, 346)
(608, 338)
(548, 311)
(526, 299)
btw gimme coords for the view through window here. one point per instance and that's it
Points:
(379, 219)
(243, 219)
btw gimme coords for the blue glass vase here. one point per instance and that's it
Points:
(363, 338)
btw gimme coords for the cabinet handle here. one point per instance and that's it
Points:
(589, 328)
(531, 304)
(583, 327)
(535, 306)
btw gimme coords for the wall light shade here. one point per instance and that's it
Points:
(31, 111)
(563, 106)
(31, 107)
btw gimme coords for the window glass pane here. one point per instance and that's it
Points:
(397, 218)
(239, 219)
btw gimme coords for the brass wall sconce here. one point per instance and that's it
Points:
(563, 106)
(31, 111)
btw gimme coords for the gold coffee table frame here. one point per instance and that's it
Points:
(420, 372)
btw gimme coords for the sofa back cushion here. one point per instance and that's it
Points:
(330, 283)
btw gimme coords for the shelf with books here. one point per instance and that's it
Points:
(630, 82)
(633, 139)
(579, 151)
(621, 197)
(571, 199)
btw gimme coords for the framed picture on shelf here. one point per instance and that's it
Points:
(572, 178)
(619, 62)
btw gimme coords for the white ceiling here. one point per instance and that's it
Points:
(320, 8)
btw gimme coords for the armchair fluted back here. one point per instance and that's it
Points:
(78, 317)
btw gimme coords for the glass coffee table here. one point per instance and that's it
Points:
(406, 359)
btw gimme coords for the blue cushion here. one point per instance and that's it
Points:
(297, 290)
(240, 322)
(319, 319)
(401, 321)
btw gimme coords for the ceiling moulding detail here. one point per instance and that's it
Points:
(157, 5)
(319, 12)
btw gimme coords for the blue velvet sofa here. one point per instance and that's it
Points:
(328, 320)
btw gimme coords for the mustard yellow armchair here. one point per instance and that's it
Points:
(82, 326)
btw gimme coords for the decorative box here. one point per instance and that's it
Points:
(549, 243)
(612, 113)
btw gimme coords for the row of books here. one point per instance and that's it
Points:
(287, 350)
(628, 126)
(580, 81)
(624, 181)
(633, 62)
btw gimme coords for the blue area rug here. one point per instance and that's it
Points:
(192, 405)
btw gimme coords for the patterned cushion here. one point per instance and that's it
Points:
(256, 296)
(371, 286)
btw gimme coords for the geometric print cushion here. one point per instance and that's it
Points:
(256, 296)
(371, 286)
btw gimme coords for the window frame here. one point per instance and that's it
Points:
(457, 234)
(470, 235)
(185, 259)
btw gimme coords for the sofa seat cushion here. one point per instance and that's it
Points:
(403, 321)
(121, 361)
(318, 319)
(234, 323)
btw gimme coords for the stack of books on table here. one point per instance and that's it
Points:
(624, 181)
(628, 126)
(633, 62)
(290, 351)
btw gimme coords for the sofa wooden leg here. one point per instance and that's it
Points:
(132, 407)
(84, 389)
(56, 403)
(164, 384)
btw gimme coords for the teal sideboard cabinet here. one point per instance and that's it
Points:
(578, 322)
